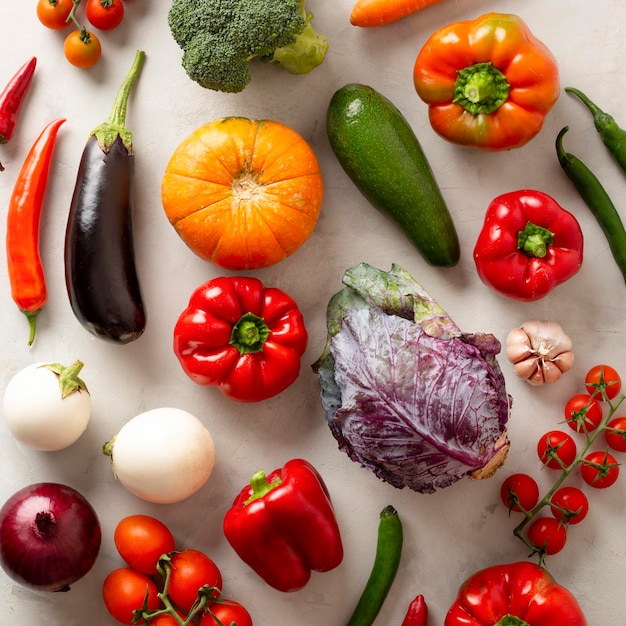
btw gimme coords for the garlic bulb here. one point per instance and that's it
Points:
(540, 351)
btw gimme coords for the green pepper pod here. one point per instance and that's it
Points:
(597, 199)
(613, 137)
(384, 570)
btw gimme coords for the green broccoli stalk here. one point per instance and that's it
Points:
(220, 37)
(305, 53)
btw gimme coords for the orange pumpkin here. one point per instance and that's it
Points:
(243, 193)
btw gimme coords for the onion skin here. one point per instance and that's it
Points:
(50, 536)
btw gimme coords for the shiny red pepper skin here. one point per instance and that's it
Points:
(283, 526)
(12, 97)
(528, 245)
(515, 594)
(243, 337)
(26, 274)
(417, 613)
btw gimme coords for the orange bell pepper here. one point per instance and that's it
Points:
(488, 82)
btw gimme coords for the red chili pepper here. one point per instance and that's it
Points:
(528, 245)
(514, 594)
(283, 526)
(417, 614)
(12, 97)
(28, 285)
(242, 337)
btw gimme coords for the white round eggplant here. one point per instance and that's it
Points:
(163, 455)
(47, 406)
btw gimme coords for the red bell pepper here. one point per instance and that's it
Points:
(242, 337)
(283, 526)
(528, 245)
(515, 594)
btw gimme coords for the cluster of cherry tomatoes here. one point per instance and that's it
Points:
(82, 46)
(585, 414)
(163, 580)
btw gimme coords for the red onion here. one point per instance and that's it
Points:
(49, 536)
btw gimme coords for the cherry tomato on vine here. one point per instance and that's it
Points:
(167, 620)
(583, 413)
(192, 569)
(519, 492)
(615, 434)
(82, 48)
(124, 591)
(548, 534)
(141, 540)
(556, 449)
(569, 505)
(599, 469)
(603, 376)
(228, 612)
(104, 14)
(54, 13)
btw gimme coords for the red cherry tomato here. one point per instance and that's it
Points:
(583, 413)
(141, 540)
(167, 620)
(605, 379)
(519, 492)
(191, 570)
(124, 591)
(104, 14)
(569, 505)
(548, 534)
(615, 434)
(53, 14)
(227, 613)
(556, 449)
(82, 49)
(599, 469)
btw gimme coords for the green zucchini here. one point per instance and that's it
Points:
(378, 150)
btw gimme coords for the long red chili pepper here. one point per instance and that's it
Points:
(28, 285)
(12, 97)
(417, 614)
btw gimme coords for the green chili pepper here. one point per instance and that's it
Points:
(613, 137)
(384, 570)
(597, 199)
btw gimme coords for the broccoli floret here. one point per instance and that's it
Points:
(220, 37)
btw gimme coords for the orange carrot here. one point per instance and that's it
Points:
(368, 13)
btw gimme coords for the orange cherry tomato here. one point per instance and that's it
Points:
(54, 13)
(82, 48)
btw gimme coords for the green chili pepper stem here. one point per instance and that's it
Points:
(31, 316)
(115, 126)
(384, 570)
(613, 137)
(597, 199)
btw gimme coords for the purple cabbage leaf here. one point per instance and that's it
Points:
(405, 392)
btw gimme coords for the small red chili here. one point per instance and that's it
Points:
(26, 275)
(528, 245)
(11, 99)
(417, 614)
